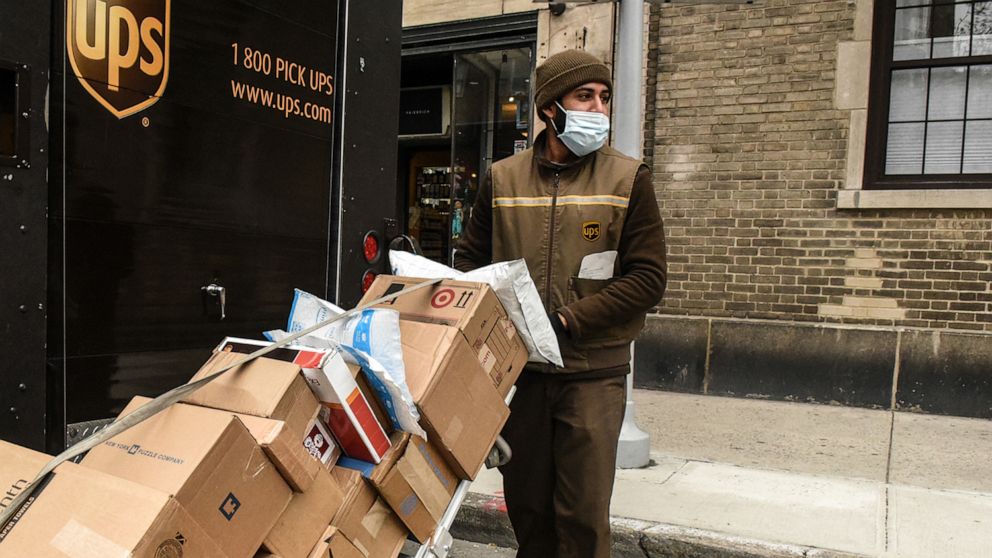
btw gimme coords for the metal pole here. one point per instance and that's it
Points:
(634, 448)
(627, 97)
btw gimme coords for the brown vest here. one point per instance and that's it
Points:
(553, 229)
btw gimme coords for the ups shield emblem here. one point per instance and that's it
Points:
(591, 230)
(119, 51)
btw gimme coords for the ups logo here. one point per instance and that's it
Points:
(591, 230)
(119, 50)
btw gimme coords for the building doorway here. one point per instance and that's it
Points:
(459, 113)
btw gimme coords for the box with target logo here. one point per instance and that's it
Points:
(473, 309)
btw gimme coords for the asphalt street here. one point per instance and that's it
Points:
(465, 549)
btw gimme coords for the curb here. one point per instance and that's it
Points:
(483, 519)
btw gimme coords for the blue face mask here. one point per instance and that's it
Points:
(584, 132)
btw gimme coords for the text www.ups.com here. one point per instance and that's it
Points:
(289, 106)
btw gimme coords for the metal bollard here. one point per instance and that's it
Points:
(634, 449)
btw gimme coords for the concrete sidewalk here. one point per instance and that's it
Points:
(747, 478)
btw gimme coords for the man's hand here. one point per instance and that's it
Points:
(559, 324)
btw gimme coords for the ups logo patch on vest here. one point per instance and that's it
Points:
(119, 50)
(591, 230)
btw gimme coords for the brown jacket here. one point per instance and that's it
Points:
(553, 216)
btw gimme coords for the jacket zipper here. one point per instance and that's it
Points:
(551, 243)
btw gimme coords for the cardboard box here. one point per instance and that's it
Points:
(346, 409)
(365, 519)
(415, 481)
(264, 388)
(311, 362)
(210, 463)
(472, 308)
(349, 413)
(333, 544)
(298, 460)
(370, 393)
(305, 520)
(82, 512)
(460, 410)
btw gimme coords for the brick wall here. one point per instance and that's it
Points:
(749, 153)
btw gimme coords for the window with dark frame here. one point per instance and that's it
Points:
(930, 108)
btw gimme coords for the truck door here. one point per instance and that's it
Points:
(199, 183)
(24, 77)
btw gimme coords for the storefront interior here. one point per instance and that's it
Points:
(460, 111)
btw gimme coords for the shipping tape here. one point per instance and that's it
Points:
(174, 395)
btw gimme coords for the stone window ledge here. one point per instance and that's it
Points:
(914, 199)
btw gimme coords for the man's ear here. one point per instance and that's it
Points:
(549, 112)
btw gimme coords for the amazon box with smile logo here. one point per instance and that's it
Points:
(210, 463)
(471, 308)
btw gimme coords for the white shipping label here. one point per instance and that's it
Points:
(598, 266)
(508, 329)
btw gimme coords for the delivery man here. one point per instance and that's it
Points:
(585, 219)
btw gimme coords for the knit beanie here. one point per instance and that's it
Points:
(565, 71)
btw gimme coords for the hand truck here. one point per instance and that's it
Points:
(439, 545)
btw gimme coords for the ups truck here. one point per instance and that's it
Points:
(170, 170)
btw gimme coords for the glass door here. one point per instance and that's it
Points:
(490, 121)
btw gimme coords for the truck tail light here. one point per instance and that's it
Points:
(367, 280)
(370, 247)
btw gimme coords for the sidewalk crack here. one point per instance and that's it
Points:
(888, 458)
(675, 472)
(641, 543)
(888, 478)
(885, 526)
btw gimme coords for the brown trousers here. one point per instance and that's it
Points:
(563, 435)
